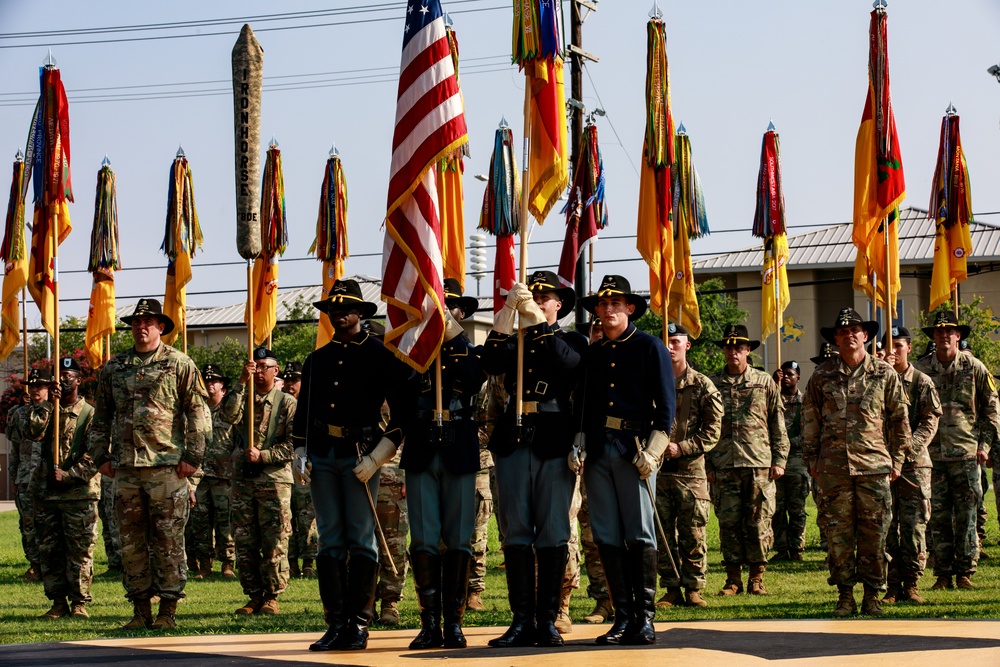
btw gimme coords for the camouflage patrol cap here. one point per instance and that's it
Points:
(946, 319)
(39, 376)
(150, 308)
(848, 317)
(737, 334)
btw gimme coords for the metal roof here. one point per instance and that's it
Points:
(831, 247)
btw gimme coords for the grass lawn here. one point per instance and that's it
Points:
(797, 590)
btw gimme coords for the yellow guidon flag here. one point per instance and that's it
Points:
(774, 274)
(15, 258)
(274, 240)
(181, 239)
(330, 244)
(451, 194)
(104, 261)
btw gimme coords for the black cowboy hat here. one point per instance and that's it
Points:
(211, 372)
(39, 376)
(546, 281)
(848, 317)
(826, 351)
(616, 286)
(453, 297)
(737, 334)
(150, 308)
(346, 294)
(293, 371)
(944, 319)
(374, 328)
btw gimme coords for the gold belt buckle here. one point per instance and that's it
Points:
(445, 415)
(335, 431)
(613, 423)
(529, 407)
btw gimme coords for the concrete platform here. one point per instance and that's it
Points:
(936, 643)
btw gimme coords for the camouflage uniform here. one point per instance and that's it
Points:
(845, 417)
(484, 510)
(682, 498)
(68, 510)
(106, 512)
(261, 500)
(150, 415)
(392, 516)
(25, 459)
(911, 493)
(753, 439)
(211, 516)
(792, 488)
(571, 576)
(969, 424)
(304, 541)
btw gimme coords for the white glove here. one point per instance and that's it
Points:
(452, 328)
(578, 454)
(300, 467)
(503, 323)
(519, 293)
(375, 459)
(531, 315)
(648, 459)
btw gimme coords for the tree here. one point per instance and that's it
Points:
(295, 342)
(982, 322)
(717, 310)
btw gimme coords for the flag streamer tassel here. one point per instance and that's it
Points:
(55, 337)
(250, 388)
(522, 269)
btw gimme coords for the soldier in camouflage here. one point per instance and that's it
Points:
(211, 516)
(751, 454)
(390, 506)
(682, 498)
(792, 488)
(65, 501)
(967, 429)
(109, 526)
(262, 482)
(489, 408)
(855, 437)
(149, 432)
(304, 541)
(25, 464)
(911, 493)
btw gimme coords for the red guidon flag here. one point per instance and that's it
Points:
(430, 123)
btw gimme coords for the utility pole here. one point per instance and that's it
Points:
(577, 54)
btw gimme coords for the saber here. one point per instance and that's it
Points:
(656, 516)
(378, 526)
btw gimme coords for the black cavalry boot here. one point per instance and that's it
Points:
(427, 580)
(454, 585)
(332, 578)
(642, 571)
(620, 588)
(362, 575)
(520, 570)
(551, 568)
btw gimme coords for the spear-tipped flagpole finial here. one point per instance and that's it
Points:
(50, 61)
(448, 21)
(19, 156)
(681, 130)
(106, 162)
(770, 125)
(503, 123)
(180, 151)
(334, 151)
(273, 143)
(655, 12)
(951, 110)
(880, 5)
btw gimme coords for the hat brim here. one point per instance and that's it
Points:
(467, 304)
(963, 330)
(590, 304)
(367, 308)
(168, 324)
(754, 344)
(870, 327)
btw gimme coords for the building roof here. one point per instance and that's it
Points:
(831, 247)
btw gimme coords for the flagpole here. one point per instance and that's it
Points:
(24, 334)
(55, 338)
(438, 399)
(954, 299)
(250, 381)
(777, 308)
(888, 288)
(522, 270)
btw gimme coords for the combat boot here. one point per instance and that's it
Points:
(795, 555)
(642, 571)
(520, 568)
(454, 584)
(293, 568)
(270, 606)
(755, 579)
(942, 583)
(734, 582)
(142, 616)
(227, 570)
(620, 588)
(603, 610)
(694, 599)
(846, 606)
(672, 598)
(33, 574)
(167, 616)
(475, 601)
(963, 582)
(252, 606)
(205, 572)
(308, 569)
(894, 593)
(78, 610)
(910, 593)
(362, 575)
(427, 581)
(870, 604)
(332, 576)
(564, 624)
(389, 615)
(551, 567)
(58, 610)
(192, 564)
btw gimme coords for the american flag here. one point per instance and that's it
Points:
(430, 123)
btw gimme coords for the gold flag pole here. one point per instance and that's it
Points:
(888, 288)
(522, 270)
(777, 307)
(438, 398)
(55, 338)
(24, 334)
(250, 389)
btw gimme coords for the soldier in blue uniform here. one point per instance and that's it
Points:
(344, 384)
(629, 399)
(536, 487)
(441, 462)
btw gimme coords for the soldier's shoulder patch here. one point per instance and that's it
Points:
(935, 400)
(199, 384)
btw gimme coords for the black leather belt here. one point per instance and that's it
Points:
(616, 424)
(531, 407)
(446, 415)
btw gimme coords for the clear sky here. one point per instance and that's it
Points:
(734, 66)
